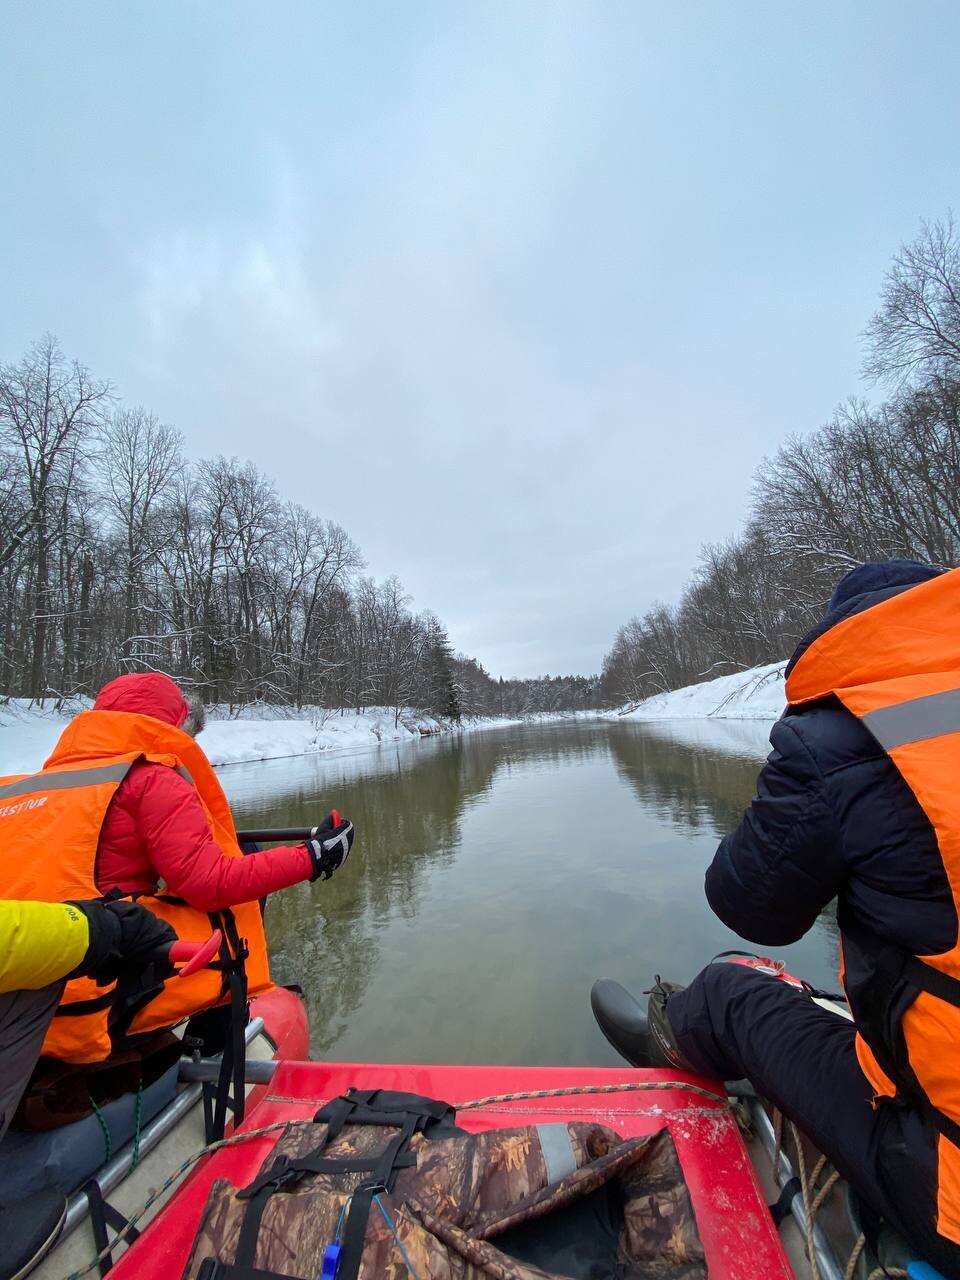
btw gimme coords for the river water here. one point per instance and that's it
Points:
(496, 874)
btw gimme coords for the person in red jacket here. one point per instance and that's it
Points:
(156, 829)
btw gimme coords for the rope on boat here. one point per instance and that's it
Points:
(476, 1104)
(178, 1173)
(640, 1086)
(813, 1206)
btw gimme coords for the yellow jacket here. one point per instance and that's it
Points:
(39, 943)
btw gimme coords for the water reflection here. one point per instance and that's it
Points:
(495, 876)
(687, 783)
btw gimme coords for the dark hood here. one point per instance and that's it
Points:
(862, 588)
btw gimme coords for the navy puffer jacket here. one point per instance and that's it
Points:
(833, 817)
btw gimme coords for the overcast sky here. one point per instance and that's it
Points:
(518, 293)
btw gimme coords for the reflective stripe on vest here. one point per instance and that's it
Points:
(931, 716)
(64, 780)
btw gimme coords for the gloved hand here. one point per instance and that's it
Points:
(331, 847)
(123, 935)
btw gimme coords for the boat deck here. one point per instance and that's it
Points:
(738, 1235)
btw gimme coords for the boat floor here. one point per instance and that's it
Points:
(791, 1237)
(738, 1234)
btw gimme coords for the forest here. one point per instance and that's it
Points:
(875, 482)
(118, 552)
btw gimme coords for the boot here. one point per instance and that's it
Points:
(644, 1039)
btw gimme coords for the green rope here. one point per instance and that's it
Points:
(121, 1236)
(104, 1128)
(137, 1126)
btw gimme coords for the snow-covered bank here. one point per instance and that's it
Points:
(240, 740)
(757, 694)
(29, 732)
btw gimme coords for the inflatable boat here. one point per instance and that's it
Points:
(137, 1217)
(738, 1236)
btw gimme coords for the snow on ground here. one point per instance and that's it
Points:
(757, 694)
(747, 739)
(28, 731)
(28, 734)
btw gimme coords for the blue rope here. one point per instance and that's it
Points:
(343, 1214)
(389, 1221)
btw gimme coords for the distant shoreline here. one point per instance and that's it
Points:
(28, 732)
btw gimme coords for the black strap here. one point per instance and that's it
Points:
(230, 1092)
(355, 1227)
(934, 981)
(895, 965)
(250, 1227)
(383, 1107)
(383, 1170)
(103, 1215)
(783, 1206)
(212, 1269)
(335, 1115)
(78, 1008)
(354, 1232)
(895, 962)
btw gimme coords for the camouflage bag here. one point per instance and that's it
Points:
(384, 1185)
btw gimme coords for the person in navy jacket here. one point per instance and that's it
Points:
(833, 818)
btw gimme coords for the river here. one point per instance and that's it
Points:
(496, 874)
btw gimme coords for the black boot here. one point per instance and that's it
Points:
(644, 1039)
(28, 1231)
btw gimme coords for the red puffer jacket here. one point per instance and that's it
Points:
(155, 827)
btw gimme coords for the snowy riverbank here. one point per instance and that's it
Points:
(29, 732)
(757, 694)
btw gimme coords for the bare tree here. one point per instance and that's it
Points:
(49, 410)
(916, 331)
(116, 552)
(138, 460)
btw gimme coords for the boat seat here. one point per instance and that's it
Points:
(63, 1159)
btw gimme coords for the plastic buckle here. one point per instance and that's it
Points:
(331, 1262)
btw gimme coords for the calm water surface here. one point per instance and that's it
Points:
(496, 875)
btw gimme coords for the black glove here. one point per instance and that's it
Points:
(331, 847)
(123, 936)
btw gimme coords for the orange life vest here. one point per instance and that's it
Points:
(896, 666)
(49, 830)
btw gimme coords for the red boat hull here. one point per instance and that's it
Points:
(738, 1234)
(285, 1025)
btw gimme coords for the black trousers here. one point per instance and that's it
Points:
(732, 1022)
(24, 1018)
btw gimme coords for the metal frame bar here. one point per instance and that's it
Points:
(112, 1174)
(830, 1268)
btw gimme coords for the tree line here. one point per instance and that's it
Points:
(482, 694)
(873, 483)
(119, 553)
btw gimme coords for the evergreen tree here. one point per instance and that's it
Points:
(443, 690)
